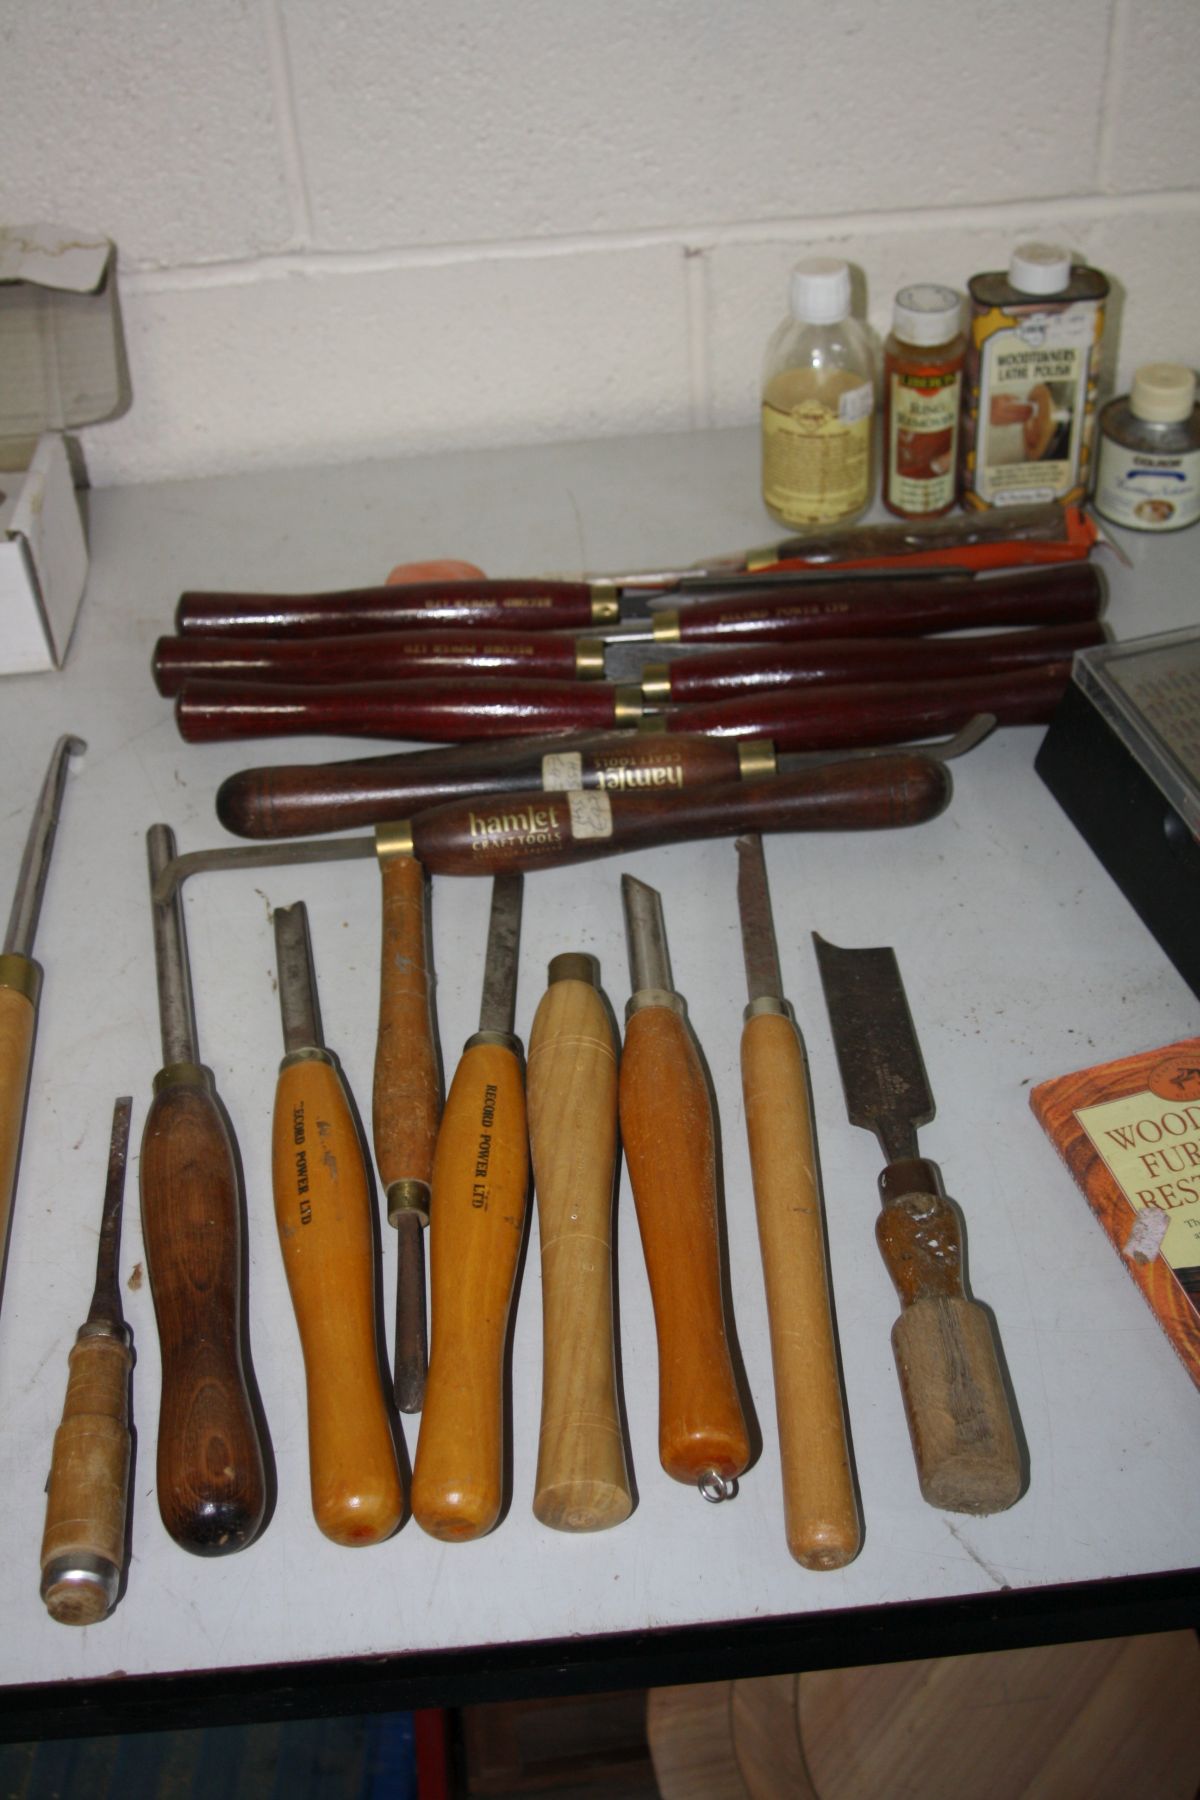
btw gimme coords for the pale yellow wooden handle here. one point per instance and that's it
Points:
(476, 1218)
(582, 1481)
(87, 1494)
(820, 1506)
(18, 1015)
(323, 1211)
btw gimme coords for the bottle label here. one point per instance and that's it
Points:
(922, 446)
(1147, 492)
(816, 459)
(1032, 404)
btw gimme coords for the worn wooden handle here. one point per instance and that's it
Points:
(379, 656)
(83, 1543)
(323, 1211)
(527, 605)
(18, 1016)
(820, 1505)
(959, 1414)
(667, 1129)
(211, 1489)
(477, 1215)
(582, 1481)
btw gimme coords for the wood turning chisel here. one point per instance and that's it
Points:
(670, 1150)
(959, 1413)
(477, 1217)
(21, 977)
(327, 1237)
(87, 1495)
(211, 1482)
(821, 1514)
(582, 1480)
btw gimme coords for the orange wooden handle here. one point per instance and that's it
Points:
(582, 1482)
(407, 1093)
(87, 1494)
(480, 1182)
(667, 1129)
(820, 1506)
(18, 1015)
(323, 1211)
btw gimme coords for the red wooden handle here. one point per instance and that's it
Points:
(349, 656)
(538, 605)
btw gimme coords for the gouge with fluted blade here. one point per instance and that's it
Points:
(820, 1506)
(959, 1415)
(476, 1221)
(87, 1495)
(327, 1236)
(670, 1150)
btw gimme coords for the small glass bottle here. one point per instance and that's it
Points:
(818, 398)
(922, 394)
(1148, 472)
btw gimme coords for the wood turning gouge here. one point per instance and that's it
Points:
(21, 977)
(211, 1481)
(821, 1512)
(670, 1149)
(582, 1480)
(959, 1414)
(87, 1495)
(326, 1235)
(477, 1216)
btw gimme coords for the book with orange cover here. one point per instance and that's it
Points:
(1129, 1132)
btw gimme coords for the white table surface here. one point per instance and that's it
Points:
(1021, 959)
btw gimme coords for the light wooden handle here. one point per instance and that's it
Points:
(480, 1182)
(959, 1414)
(83, 1543)
(18, 1015)
(323, 1211)
(819, 1502)
(582, 1481)
(667, 1129)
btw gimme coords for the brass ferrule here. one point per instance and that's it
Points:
(665, 997)
(408, 1196)
(756, 759)
(665, 626)
(656, 681)
(395, 839)
(767, 1003)
(22, 975)
(572, 965)
(627, 705)
(606, 602)
(192, 1075)
(589, 659)
(765, 558)
(306, 1053)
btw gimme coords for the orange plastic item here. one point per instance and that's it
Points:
(440, 569)
(1079, 535)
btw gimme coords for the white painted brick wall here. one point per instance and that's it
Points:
(367, 227)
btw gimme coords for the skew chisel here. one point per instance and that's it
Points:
(819, 1501)
(670, 1150)
(326, 1235)
(211, 1483)
(477, 1217)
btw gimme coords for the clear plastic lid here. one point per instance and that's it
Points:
(1040, 268)
(926, 314)
(1163, 393)
(820, 290)
(1148, 691)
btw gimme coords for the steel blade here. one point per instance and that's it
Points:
(759, 948)
(299, 1007)
(498, 1007)
(886, 1088)
(106, 1297)
(645, 936)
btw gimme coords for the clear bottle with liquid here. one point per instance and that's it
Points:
(818, 399)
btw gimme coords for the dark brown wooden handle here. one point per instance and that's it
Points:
(211, 1488)
(884, 712)
(713, 674)
(537, 605)
(545, 831)
(1073, 593)
(447, 709)
(959, 1415)
(350, 657)
(298, 799)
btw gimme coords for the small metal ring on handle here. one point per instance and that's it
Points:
(715, 1487)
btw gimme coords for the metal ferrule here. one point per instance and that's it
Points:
(664, 997)
(572, 965)
(503, 1040)
(408, 1196)
(606, 602)
(656, 682)
(22, 975)
(756, 759)
(589, 659)
(767, 1003)
(79, 1570)
(183, 1074)
(765, 558)
(105, 1328)
(307, 1053)
(395, 839)
(665, 626)
(627, 705)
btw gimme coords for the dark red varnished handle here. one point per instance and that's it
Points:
(526, 605)
(350, 656)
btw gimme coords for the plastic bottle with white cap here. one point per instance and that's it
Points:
(818, 398)
(1148, 470)
(1033, 363)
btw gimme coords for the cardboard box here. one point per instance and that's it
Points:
(61, 365)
